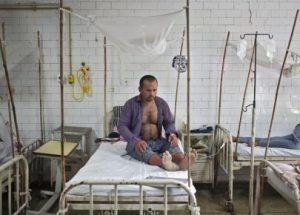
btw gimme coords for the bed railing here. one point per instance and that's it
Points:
(28, 149)
(287, 180)
(14, 172)
(224, 148)
(92, 203)
(223, 144)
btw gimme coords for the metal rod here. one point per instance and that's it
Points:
(10, 95)
(40, 87)
(116, 200)
(105, 87)
(222, 75)
(251, 180)
(178, 77)
(9, 191)
(188, 88)
(11, 133)
(63, 178)
(243, 36)
(70, 44)
(17, 183)
(33, 7)
(141, 199)
(91, 200)
(3, 31)
(165, 200)
(243, 103)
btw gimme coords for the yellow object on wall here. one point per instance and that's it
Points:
(83, 80)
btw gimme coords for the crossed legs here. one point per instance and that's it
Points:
(177, 161)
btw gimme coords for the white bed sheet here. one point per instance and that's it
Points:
(280, 185)
(245, 151)
(110, 161)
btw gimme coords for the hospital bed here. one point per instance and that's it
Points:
(14, 180)
(14, 172)
(112, 181)
(228, 161)
(282, 177)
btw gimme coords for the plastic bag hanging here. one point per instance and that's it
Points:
(179, 63)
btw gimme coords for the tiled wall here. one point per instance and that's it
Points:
(209, 23)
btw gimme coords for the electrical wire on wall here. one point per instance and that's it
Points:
(83, 79)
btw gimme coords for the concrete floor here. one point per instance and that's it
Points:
(213, 202)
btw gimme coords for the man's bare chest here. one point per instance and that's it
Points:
(150, 114)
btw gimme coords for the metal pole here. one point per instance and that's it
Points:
(222, 74)
(63, 179)
(243, 103)
(105, 88)
(253, 134)
(32, 7)
(178, 77)
(40, 87)
(188, 87)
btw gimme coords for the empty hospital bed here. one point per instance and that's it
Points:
(228, 161)
(111, 180)
(14, 181)
(282, 177)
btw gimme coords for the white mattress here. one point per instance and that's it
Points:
(245, 151)
(110, 161)
(282, 186)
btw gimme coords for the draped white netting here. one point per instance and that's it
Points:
(266, 58)
(136, 35)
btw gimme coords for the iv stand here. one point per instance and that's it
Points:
(251, 188)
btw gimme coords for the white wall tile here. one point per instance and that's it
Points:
(209, 23)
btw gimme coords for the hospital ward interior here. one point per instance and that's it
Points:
(149, 107)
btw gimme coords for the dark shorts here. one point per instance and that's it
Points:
(157, 146)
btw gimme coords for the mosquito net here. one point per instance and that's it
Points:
(266, 57)
(136, 35)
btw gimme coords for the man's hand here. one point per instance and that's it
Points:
(173, 140)
(140, 147)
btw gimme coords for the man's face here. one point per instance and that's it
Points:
(148, 90)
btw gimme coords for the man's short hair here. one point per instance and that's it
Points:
(148, 78)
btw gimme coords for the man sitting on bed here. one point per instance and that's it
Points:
(291, 141)
(140, 124)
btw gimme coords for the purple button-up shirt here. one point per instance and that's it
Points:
(130, 122)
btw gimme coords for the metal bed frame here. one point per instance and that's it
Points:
(293, 196)
(228, 162)
(15, 170)
(144, 204)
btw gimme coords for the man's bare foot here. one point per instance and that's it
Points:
(167, 162)
(193, 157)
(250, 143)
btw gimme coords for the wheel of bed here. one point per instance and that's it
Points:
(229, 207)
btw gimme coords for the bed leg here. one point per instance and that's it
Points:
(151, 212)
(216, 168)
(106, 212)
